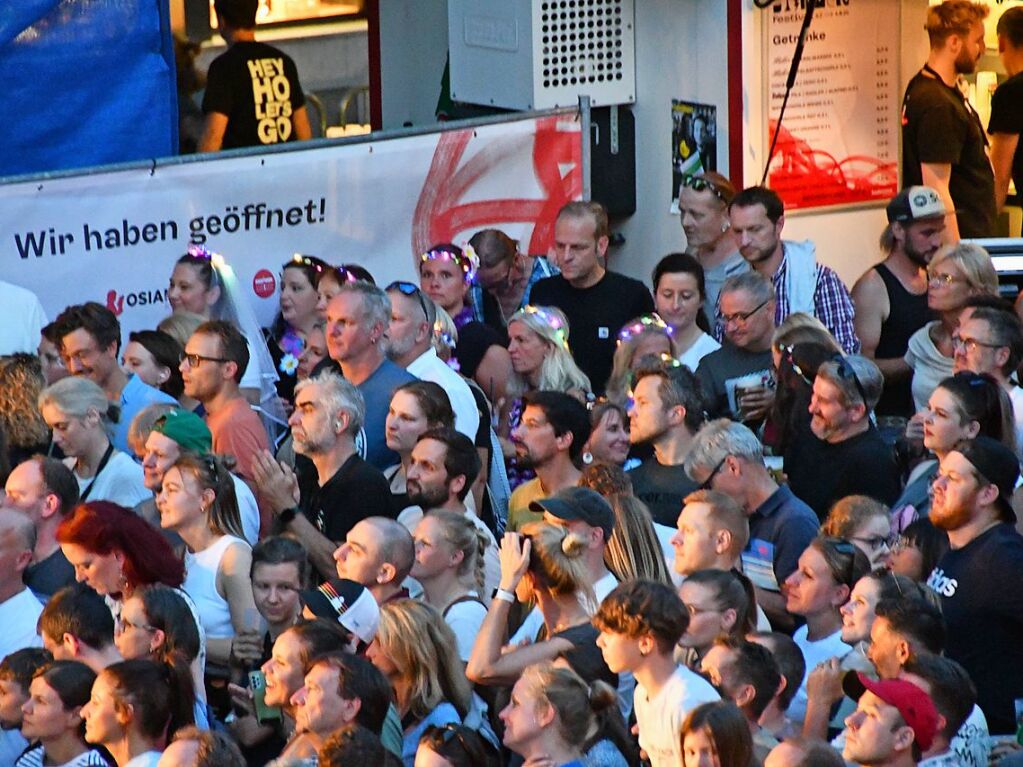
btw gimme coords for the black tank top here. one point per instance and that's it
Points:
(907, 313)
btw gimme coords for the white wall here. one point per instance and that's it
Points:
(681, 53)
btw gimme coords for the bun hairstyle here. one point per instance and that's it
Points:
(556, 560)
(576, 702)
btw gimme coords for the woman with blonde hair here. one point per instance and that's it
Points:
(449, 566)
(956, 274)
(415, 650)
(646, 336)
(634, 549)
(545, 565)
(197, 501)
(555, 717)
(81, 417)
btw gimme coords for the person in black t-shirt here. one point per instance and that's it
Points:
(943, 141)
(1006, 121)
(845, 454)
(979, 580)
(596, 302)
(335, 488)
(667, 411)
(891, 298)
(253, 97)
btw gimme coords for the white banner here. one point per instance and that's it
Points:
(114, 236)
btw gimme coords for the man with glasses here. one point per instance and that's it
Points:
(410, 345)
(891, 298)
(212, 367)
(979, 580)
(801, 284)
(90, 340)
(737, 379)
(990, 340)
(703, 201)
(728, 458)
(845, 454)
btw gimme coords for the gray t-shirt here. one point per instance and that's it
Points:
(719, 371)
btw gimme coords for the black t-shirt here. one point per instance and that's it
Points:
(356, 491)
(256, 86)
(474, 339)
(595, 315)
(981, 591)
(585, 657)
(662, 489)
(821, 472)
(46, 578)
(939, 127)
(719, 371)
(1007, 117)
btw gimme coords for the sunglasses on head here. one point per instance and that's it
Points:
(700, 183)
(410, 289)
(846, 372)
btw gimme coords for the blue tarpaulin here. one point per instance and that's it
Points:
(88, 82)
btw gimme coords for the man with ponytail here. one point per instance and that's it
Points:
(640, 623)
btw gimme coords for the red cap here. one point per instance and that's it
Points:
(914, 704)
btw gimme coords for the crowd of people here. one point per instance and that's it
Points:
(526, 511)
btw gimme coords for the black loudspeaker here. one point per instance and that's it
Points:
(613, 159)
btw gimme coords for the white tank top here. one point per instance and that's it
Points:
(201, 585)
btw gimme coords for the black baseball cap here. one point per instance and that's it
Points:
(997, 465)
(579, 503)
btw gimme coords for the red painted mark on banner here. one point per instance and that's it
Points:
(115, 303)
(440, 215)
(263, 283)
(809, 178)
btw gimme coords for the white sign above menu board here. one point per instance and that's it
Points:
(839, 137)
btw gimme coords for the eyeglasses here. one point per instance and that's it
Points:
(875, 542)
(846, 372)
(740, 318)
(786, 352)
(705, 485)
(194, 360)
(122, 623)
(695, 610)
(700, 183)
(940, 280)
(971, 344)
(410, 289)
(901, 543)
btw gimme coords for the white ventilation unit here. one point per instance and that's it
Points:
(539, 54)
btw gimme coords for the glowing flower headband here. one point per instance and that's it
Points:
(646, 322)
(201, 251)
(552, 321)
(468, 261)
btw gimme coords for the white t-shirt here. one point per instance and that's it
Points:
(247, 509)
(24, 318)
(429, 367)
(701, 347)
(464, 619)
(660, 718)
(18, 616)
(664, 535)
(120, 482)
(830, 646)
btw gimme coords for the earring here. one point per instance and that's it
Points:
(587, 457)
(724, 227)
(337, 426)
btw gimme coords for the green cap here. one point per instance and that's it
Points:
(187, 429)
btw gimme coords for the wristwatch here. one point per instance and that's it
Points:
(287, 515)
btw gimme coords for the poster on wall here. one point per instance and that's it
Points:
(838, 141)
(113, 235)
(694, 147)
